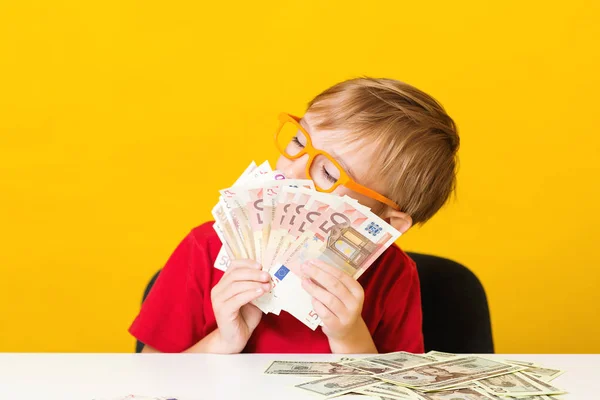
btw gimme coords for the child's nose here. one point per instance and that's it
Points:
(296, 169)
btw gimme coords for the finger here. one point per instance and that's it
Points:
(236, 288)
(330, 320)
(243, 263)
(240, 274)
(248, 274)
(241, 299)
(332, 302)
(328, 281)
(350, 283)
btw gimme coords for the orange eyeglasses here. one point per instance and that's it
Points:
(293, 141)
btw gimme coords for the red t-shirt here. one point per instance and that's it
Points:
(178, 311)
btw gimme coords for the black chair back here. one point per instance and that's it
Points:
(456, 316)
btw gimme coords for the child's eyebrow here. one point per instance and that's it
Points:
(305, 125)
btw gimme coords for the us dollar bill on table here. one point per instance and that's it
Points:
(471, 394)
(312, 368)
(388, 390)
(517, 385)
(400, 359)
(442, 374)
(403, 375)
(544, 374)
(369, 366)
(337, 385)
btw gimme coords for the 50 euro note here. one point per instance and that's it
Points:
(276, 235)
(263, 202)
(278, 227)
(255, 208)
(344, 236)
(316, 205)
(247, 207)
(230, 249)
(292, 218)
(270, 195)
(242, 202)
(254, 214)
(235, 201)
(228, 224)
(275, 210)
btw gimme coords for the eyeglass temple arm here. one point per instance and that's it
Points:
(371, 193)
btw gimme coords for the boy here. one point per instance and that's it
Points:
(388, 137)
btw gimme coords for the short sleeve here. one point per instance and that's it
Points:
(401, 328)
(170, 314)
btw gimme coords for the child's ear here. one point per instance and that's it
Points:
(399, 220)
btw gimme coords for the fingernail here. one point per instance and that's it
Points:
(259, 290)
(264, 276)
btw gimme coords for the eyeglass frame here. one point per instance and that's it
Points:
(344, 179)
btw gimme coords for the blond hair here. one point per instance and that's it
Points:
(417, 142)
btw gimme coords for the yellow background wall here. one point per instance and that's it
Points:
(120, 120)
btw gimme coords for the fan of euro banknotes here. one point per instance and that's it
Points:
(281, 223)
(431, 376)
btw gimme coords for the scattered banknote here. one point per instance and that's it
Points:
(373, 391)
(368, 366)
(337, 385)
(282, 223)
(544, 374)
(312, 368)
(461, 394)
(440, 356)
(388, 390)
(443, 374)
(524, 363)
(403, 375)
(400, 360)
(517, 385)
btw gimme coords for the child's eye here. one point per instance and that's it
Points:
(327, 175)
(297, 142)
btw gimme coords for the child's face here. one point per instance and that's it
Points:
(357, 159)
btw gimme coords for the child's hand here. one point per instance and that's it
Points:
(243, 282)
(338, 301)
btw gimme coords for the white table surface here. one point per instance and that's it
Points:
(206, 376)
